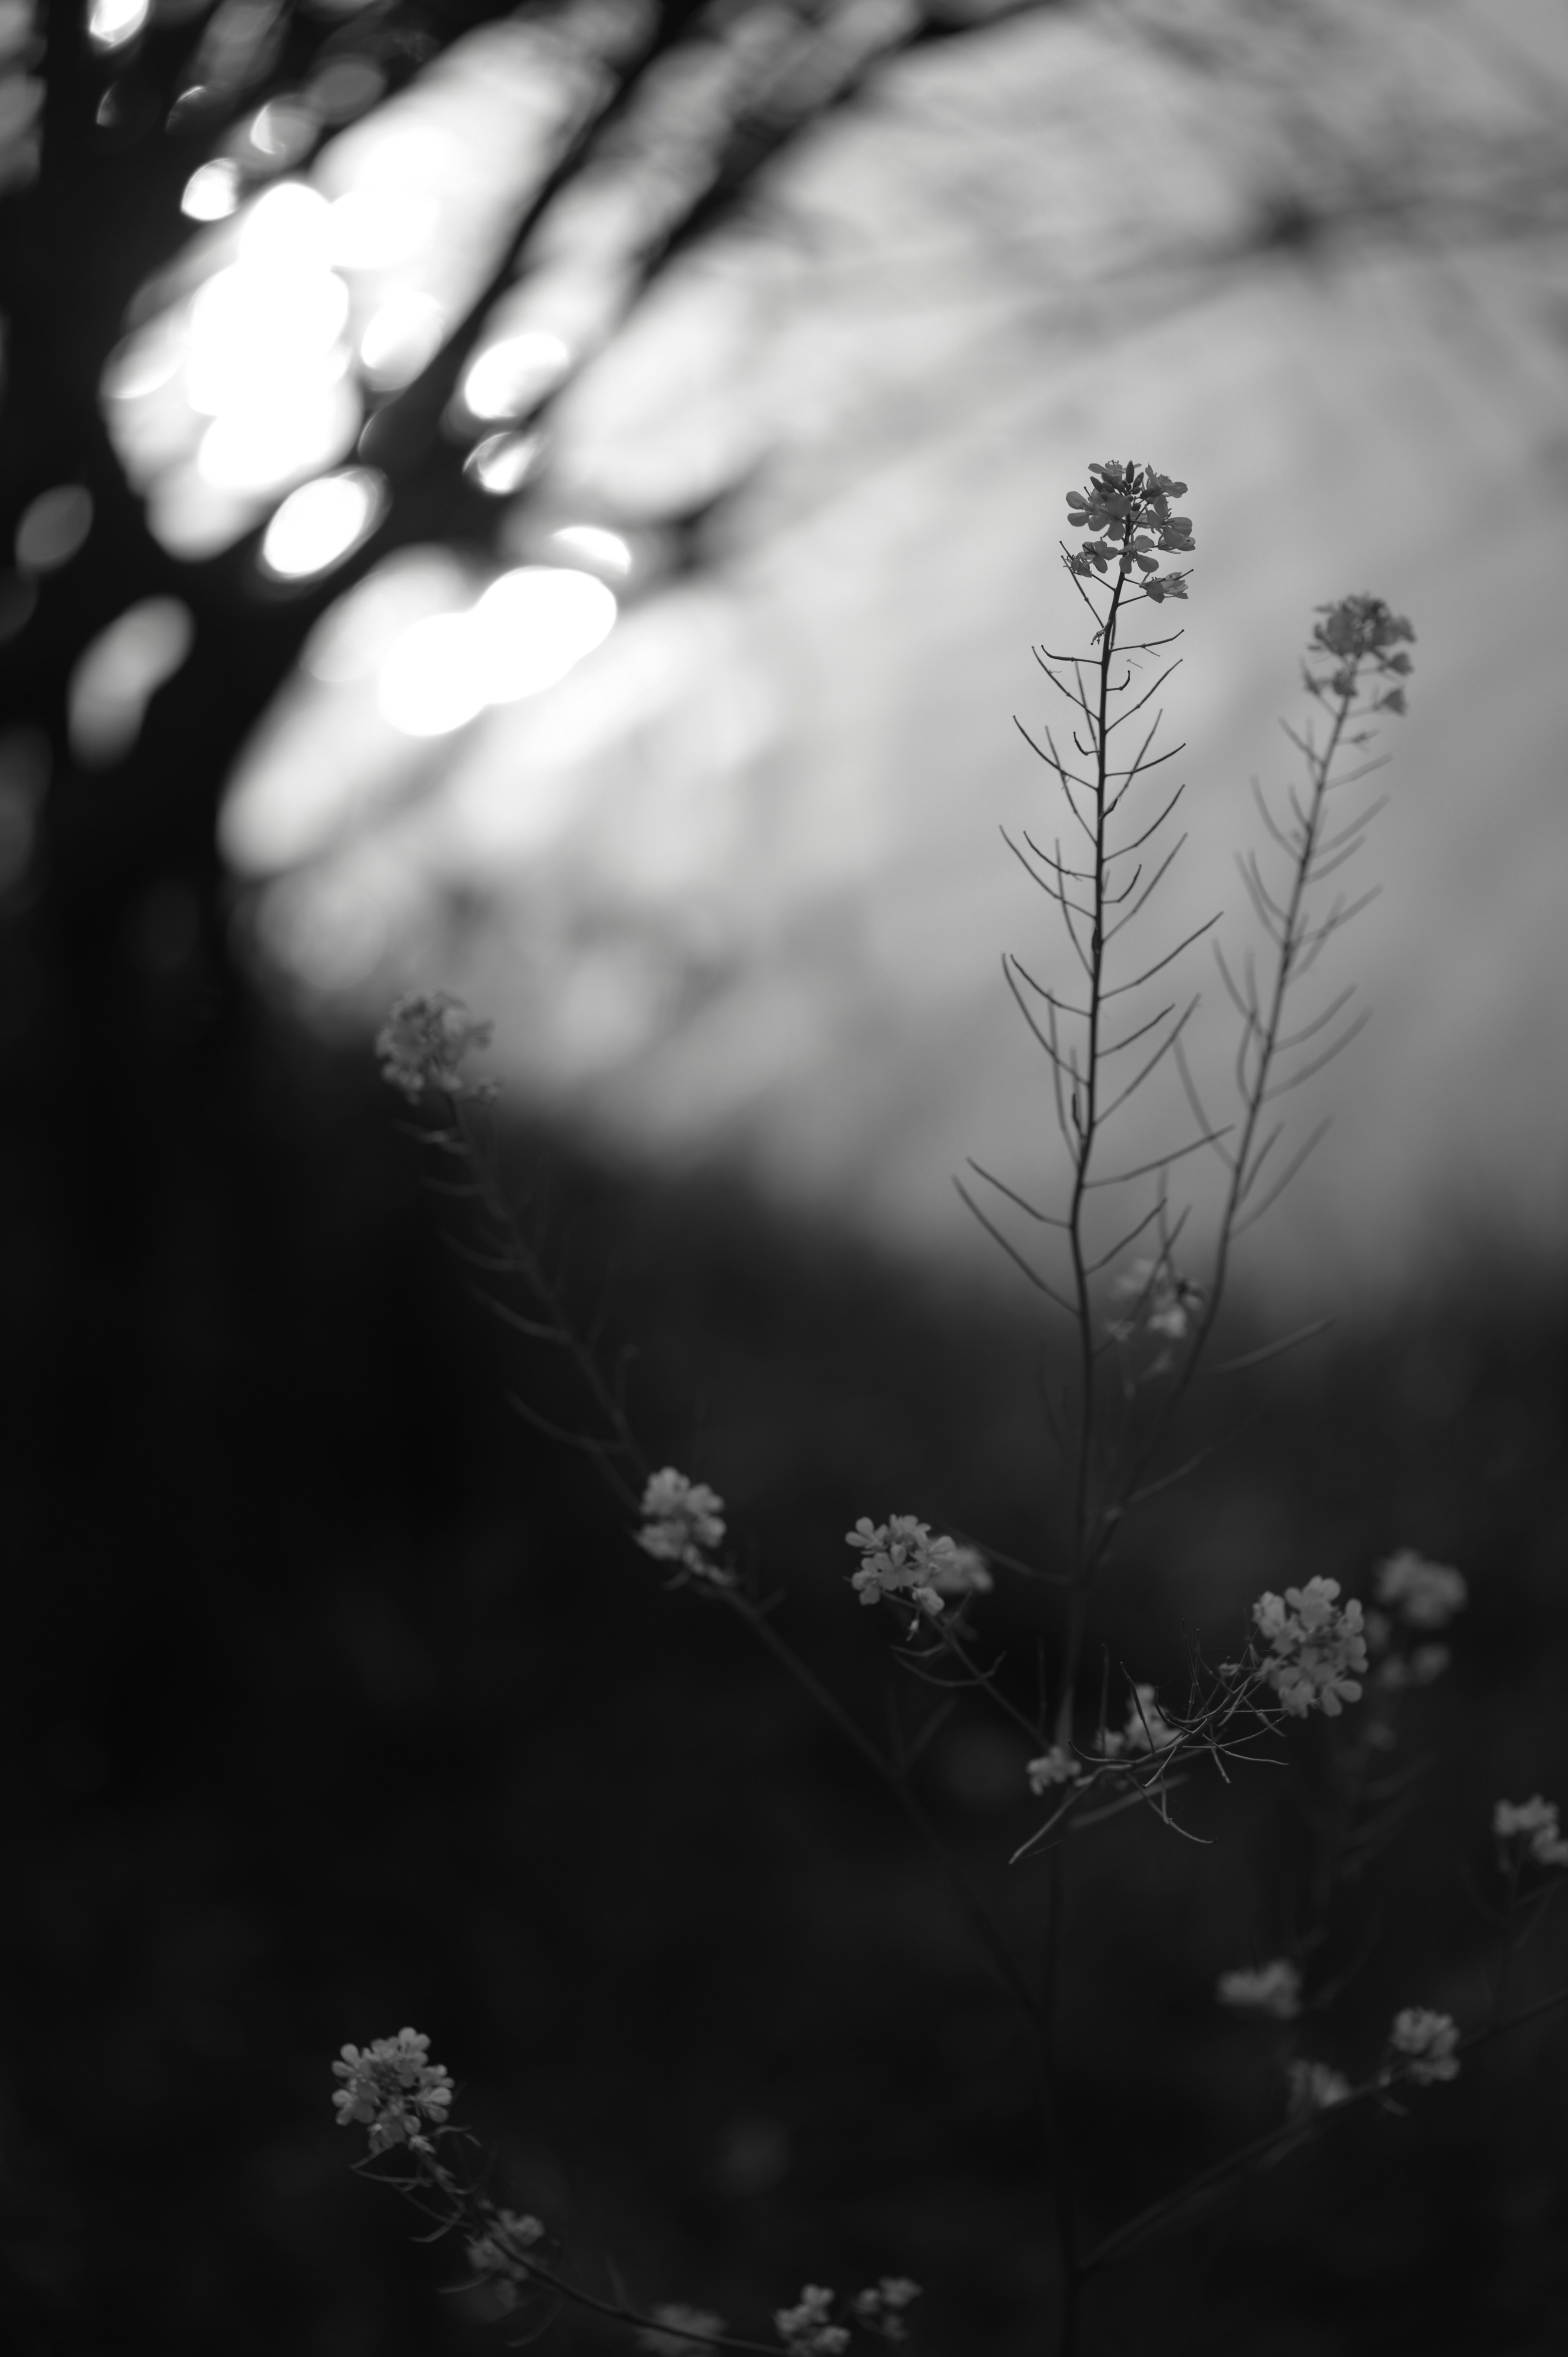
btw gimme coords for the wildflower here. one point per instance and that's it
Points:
(964, 1573)
(1314, 1641)
(1422, 1595)
(689, 2331)
(502, 2254)
(390, 2085)
(1273, 1989)
(881, 2309)
(1163, 1301)
(1313, 2087)
(807, 2330)
(900, 1558)
(1126, 513)
(1532, 1826)
(681, 1522)
(422, 1043)
(1055, 1766)
(1425, 2042)
(1147, 1729)
(1356, 631)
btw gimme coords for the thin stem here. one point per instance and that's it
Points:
(1159, 2213)
(982, 1922)
(1058, 2138)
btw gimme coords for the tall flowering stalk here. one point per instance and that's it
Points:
(1100, 888)
(1121, 1269)
(1142, 1333)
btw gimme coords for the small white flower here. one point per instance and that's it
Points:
(502, 2254)
(1273, 1989)
(422, 1043)
(1423, 1595)
(681, 1522)
(900, 1558)
(881, 2309)
(807, 2330)
(1055, 1766)
(1532, 1826)
(1163, 1302)
(1314, 1641)
(1426, 2042)
(1147, 1729)
(392, 2089)
(1313, 2087)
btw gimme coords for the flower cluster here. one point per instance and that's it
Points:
(900, 1558)
(1424, 2042)
(1415, 1597)
(421, 1045)
(503, 2253)
(1316, 1643)
(1423, 1595)
(1126, 511)
(881, 2309)
(1162, 1302)
(687, 2331)
(1313, 2087)
(1055, 1766)
(1529, 1829)
(682, 1522)
(1357, 631)
(807, 2330)
(392, 2089)
(1273, 1989)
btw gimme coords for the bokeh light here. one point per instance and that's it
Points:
(432, 678)
(502, 463)
(53, 527)
(400, 339)
(353, 638)
(537, 623)
(511, 376)
(606, 551)
(246, 371)
(529, 630)
(322, 523)
(120, 673)
(111, 23)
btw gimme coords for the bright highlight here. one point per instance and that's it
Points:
(111, 23)
(510, 376)
(322, 523)
(212, 191)
(536, 625)
(527, 630)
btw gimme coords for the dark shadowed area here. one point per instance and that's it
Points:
(334, 1698)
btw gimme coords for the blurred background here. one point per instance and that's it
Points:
(558, 505)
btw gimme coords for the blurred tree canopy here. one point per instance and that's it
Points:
(107, 112)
